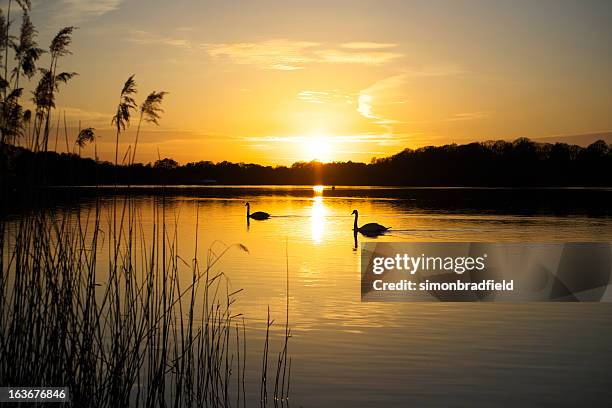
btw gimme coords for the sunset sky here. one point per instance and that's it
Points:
(277, 82)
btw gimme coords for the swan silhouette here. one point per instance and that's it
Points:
(258, 215)
(370, 229)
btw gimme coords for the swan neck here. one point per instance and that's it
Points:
(355, 224)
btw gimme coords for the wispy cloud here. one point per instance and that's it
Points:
(280, 54)
(313, 96)
(78, 10)
(371, 57)
(285, 67)
(467, 116)
(376, 138)
(145, 37)
(367, 96)
(435, 71)
(271, 54)
(364, 106)
(378, 92)
(364, 99)
(89, 118)
(367, 45)
(385, 84)
(283, 54)
(322, 97)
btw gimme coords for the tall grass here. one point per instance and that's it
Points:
(133, 331)
(149, 329)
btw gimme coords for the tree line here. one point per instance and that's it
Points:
(519, 163)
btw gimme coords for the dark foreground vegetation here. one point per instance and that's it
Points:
(499, 163)
(150, 326)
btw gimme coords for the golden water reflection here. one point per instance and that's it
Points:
(317, 218)
(336, 338)
(318, 189)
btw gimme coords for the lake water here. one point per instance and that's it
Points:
(346, 353)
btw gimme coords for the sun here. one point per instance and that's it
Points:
(318, 147)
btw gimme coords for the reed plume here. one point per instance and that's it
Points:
(26, 5)
(11, 125)
(61, 41)
(50, 80)
(126, 105)
(44, 99)
(150, 111)
(4, 43)
(85, 136)
(26, 50)
(26, 55)
(6, 39)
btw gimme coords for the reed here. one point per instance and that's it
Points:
(148, 329)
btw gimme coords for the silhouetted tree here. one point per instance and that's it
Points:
(166, 164)
(499, 163)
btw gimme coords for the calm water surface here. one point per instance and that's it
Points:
(351, 354)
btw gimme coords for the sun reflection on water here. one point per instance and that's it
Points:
(317, 217)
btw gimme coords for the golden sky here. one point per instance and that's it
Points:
(277, 82)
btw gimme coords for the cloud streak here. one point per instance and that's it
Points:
(90, 118)
(467, 116)
(321, 97)
(85, 9)
(364, 57)
(367, 45)
(272, 54)
(435, 71)
(377, 138)
(283, 54)
(147, 38)
(366, 98)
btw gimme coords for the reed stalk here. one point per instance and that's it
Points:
(148, 329)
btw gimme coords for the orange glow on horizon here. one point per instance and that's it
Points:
(303, 92)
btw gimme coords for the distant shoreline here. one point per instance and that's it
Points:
(591, 201)
(493, 164)
(326, 187)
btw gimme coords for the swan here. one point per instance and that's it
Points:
(258, 215)
(371, 229)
